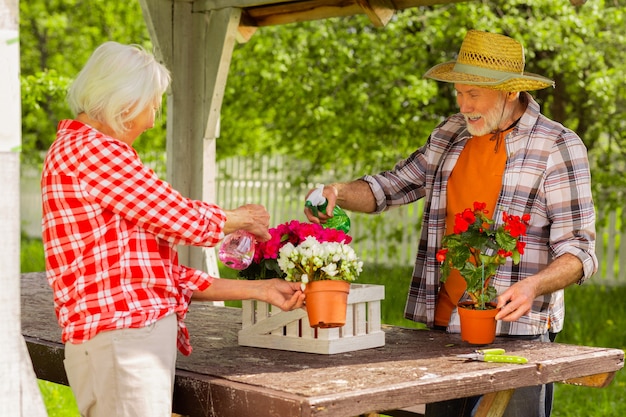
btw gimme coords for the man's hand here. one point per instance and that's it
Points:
(516, 301)
(330, 193)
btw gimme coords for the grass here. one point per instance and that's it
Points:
(596, 316)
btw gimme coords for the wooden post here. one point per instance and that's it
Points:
(19, 393)
(196, 45)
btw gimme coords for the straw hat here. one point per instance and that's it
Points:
(491, 61)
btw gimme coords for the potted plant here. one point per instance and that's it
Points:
(320, 258)
(327, 260)
(325, 270)
(476, 250)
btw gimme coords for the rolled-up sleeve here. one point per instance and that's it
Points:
(570, 203)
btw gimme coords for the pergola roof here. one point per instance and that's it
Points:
(258, 13)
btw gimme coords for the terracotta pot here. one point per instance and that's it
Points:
(478, 327)
(326, 303)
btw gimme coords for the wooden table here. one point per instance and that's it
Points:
(223, 379)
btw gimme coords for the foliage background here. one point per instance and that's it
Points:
(346, 96)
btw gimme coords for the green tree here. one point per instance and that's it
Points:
(56, 38)
(341, 93)
(347, 97)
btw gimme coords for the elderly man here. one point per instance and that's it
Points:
(499, 149)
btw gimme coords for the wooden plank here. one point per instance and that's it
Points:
(215, 34)
(247, 28)
(287, 13)
(415, 411)
(47, 356)
(197, 48)
(19, 392)
(158, 17)
(414, 367)
(204, 5)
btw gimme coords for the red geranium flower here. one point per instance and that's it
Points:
(476, 250)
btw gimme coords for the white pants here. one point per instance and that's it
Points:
(125, 373)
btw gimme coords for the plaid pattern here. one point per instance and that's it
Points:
(546, 175)
(110, 230)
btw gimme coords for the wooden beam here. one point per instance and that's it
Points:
(217, 38)
(598, 380)
(215, 35)
(19, 392)
(379, 12)
(286, 13)
(206, 5)
(271, 13)
(247, 28)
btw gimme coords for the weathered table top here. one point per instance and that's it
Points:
(223, 379)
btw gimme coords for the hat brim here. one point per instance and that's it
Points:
(505, 81)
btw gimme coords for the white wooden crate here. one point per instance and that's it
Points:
(266, 326)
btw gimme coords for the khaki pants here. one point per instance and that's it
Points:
(125, 373)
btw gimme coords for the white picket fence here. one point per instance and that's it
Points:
(390, 238)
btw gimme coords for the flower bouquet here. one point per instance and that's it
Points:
(313, 260)
(293, 233)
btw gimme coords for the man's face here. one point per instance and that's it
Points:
(483, 108)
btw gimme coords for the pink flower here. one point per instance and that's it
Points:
(294, 232)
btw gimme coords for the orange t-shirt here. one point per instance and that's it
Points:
(477, 176)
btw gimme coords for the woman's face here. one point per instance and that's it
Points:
(141, 123)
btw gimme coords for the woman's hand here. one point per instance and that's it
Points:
(278, 292)
(253, 218)
(284, 294)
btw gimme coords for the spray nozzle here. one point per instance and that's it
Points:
(316, 199)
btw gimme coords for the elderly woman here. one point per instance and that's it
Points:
(110, 230)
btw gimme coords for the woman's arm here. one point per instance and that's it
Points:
(278, 292)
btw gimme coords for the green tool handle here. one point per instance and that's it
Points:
(504, 359)
(491, 351)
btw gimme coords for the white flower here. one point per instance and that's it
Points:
(330, 270)
(312, 260)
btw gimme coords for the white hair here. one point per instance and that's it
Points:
(116, 84)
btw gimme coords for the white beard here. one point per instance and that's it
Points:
(491, 120)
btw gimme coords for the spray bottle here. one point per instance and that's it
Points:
(237, 250)
(317, 202)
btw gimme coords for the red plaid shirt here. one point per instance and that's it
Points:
(110, 230)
